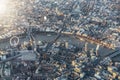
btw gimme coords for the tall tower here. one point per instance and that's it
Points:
(86, 46)
(97, 48)
(66, 44)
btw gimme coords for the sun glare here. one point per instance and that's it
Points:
(3, 6)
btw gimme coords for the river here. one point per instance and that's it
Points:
(48, 37)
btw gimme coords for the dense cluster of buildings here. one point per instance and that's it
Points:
(98, 19)
(61, 61)
(89, 17)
